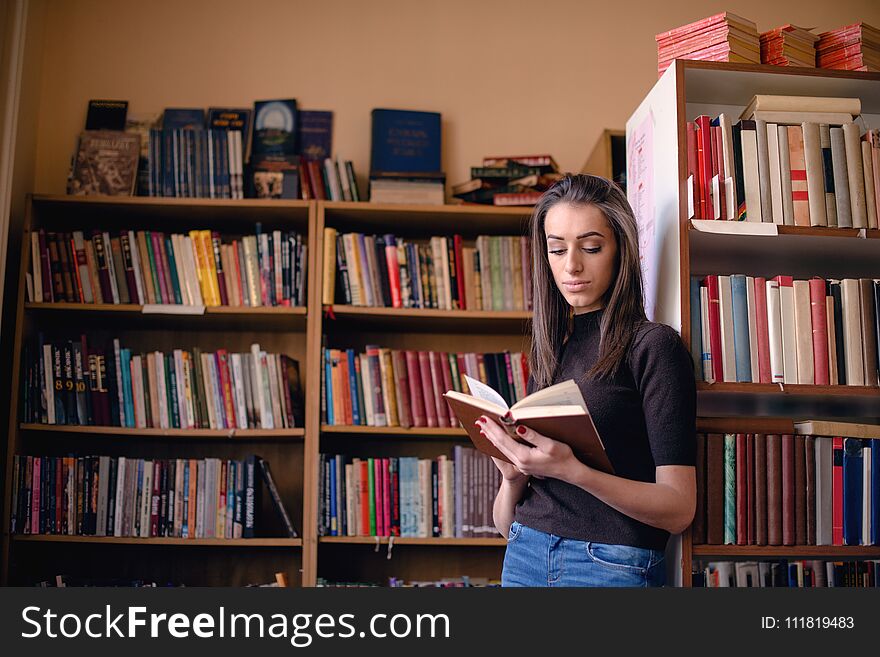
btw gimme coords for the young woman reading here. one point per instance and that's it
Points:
(568, 524)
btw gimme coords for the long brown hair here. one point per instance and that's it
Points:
(624, 304)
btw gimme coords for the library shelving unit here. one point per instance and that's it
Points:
(677, 247)
(28, 559)
(347, 558)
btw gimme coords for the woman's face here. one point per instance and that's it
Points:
(582, 252)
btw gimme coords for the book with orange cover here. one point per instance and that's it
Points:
(558, 412)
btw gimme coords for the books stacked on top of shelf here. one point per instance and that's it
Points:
(274, 165)
(509, 180)
(322, 177)
(757, 489)
(404, 388)
(788, 45)
(145, 498)
(789, 160)
(151, 267)
(408, 496)
(405, 163)
(444, 273)
(723, 37)
(851, 48)
(781, 330)
(786, 573)
(75, 382)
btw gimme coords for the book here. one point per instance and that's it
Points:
(558, 412)
(106, 162)
(275, 127)
(106, 115)
(276, 498)
(405, 141)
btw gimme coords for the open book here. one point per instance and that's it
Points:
(558, 412)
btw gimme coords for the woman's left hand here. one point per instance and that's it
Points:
(546, 458)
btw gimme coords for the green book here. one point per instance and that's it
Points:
(198, 389)
(172, 270)
(170, 376)
(372, 495)
(453, 365)
(154, 271)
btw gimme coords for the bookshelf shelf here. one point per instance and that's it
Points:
(411, 432)
(188, 542)
(384, 540)
(775, 551)
(429, 319)
(788, 389)
(210, 434)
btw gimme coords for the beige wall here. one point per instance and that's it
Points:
(508, 76)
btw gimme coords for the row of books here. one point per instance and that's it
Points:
(723, 37)
(788, 574)
(850, 48)
(771, 489)
(781, 330)
(509, 180)
(788, 45)
(384, 270)
(73, 382)
(193, 162)
(408, 496)
(123, 496)
(813, 173)
(150, 267)
(463, 581)
(395, 387)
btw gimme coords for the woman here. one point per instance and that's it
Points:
(568, 524)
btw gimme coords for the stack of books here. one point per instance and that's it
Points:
(788, 574)
(782, 330)
(405, 165)
(445, 273)
(785, 489)
(851, 48)
(723, 37)
(509, 180)
(790, 160)
(394, 387)
(407, 496)
(789, 45)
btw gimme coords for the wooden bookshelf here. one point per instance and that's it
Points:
(406, 540)
(30, 558)
(696, 248)
(410, 432)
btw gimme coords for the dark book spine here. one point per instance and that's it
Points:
(221, 275)
(251, 491)
(342, 280)
(276, 498)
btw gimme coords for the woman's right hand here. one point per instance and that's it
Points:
(509, 471)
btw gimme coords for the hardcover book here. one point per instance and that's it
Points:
(315, 135)
(275, 127)
(106, 163)
(405, 141)
(106, 115)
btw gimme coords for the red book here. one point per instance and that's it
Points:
(774, 489)
(446, 373)
(437, 389)
(401, 387)
(818, 317)
(427, 388)
(788, 492)
(222, 357)
(77, 281)
(348, 415)
(711, 283)
(305, 189)
(837, 491)
(285, 385)
(414, 379)
(395, 496)
(45, 268)
(691, 138)
(218, 263)
(704, 165)
(364, 493)
(386, 495)
(238, 277)
(525, 366)
(798, 176)
(459, 271)
(762, 330)
(156, 241)
(221, 500)
(742, 528)
(378, 498)
(154, 499)
(750, 489)
(393, 270)
(316, 180)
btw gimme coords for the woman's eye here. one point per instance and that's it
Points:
(558, 251)
(595, 250)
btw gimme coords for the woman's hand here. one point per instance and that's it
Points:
(508, 470)
(546, 457)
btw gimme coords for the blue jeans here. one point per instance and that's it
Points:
(535, 558)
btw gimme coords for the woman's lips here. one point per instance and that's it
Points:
(575, 286)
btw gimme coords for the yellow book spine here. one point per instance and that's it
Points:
(329, 280)
(210, 267)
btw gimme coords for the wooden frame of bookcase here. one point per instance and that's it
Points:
(198, 212)
(689, 88)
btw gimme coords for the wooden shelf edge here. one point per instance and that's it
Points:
(132, 540)
(792, 551)
(791, 231)
(396, 431)
(787, 389)
(428, 313)
(447, 208)
(136, 309)
(292, 204)
(231, 434)
(807, 71)
(398, 540)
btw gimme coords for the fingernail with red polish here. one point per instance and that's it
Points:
(521, 430)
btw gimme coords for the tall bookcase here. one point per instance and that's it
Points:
(676, 248)
(343, 558)
(210, 561)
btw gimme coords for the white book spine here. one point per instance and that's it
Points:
(706, 351)
(866, 493)
(366, 381)
(804, 347)
(146, 499)
(785, 177)
(789, 329)
(111, 265)
(774, 329)
(751, 176)
(238, 391)
(855, 174)
(753, 328)
(775, 173)
(181, 388)
(852, 331)
(725, 308)
(136, 265)
(120, 496)
(37, 267)
(161, 390)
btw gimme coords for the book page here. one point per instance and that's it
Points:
(482, 391)
(566, 393)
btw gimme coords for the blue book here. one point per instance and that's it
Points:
(251, 497)
(852, 491)
(696, 328)
(275, 128)
(333, 520)
(328, 385)
(314, 135)
(352, 382)
(125, 363)
(875, 492)
(741, 328)
(405, 142)
(183, 118)
(231, 118)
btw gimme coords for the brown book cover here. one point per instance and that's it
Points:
(869, 330)
(401, 387)
(810, 451)
(699, 525)
(557, 411)
(750, 487)
(800, 492)
(760, 489)
(715, 489)
(774, 489)
(119, 270)
(106, 163)
(414, 379)
(788, 491)
(742, 528)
